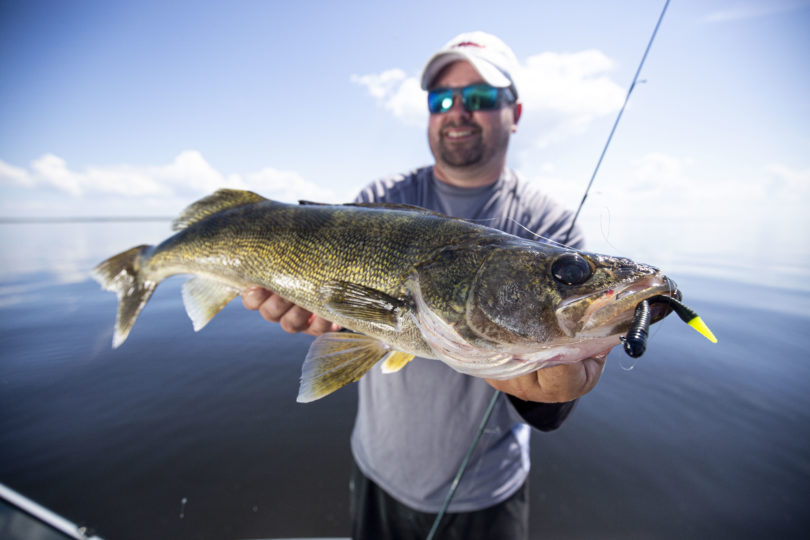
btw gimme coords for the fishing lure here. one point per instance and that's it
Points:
(635, 342)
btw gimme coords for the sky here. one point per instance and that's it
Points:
(139, 108)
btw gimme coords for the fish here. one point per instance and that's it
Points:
(404, 281)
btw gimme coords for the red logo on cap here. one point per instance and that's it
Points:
(469, 44)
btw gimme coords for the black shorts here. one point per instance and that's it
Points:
(378, 516)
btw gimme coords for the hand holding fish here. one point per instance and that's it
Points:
(555, 384)
(293, 318)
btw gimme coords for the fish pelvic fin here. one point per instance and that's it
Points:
(222, 199)
(121, 274)
(336, 359)
(395, 361)
(205, 297)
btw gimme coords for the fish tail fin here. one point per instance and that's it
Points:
(335, 359)
(121, 274)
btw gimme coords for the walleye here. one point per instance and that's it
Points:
(408, 282)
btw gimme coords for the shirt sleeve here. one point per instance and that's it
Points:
(542, 416)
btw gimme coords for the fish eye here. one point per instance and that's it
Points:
(571, 269)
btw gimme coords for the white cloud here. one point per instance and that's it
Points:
(111, 189)
(287, 186)
(568, 91)
(397, 93)
(565, 92)
(14, 175)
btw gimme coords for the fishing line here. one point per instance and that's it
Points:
(616, 123)
(488, 413)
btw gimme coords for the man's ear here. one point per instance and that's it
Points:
(517, 110)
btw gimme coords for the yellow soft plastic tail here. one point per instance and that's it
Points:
(698, 324)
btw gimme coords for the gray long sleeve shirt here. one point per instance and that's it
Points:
(414, 427)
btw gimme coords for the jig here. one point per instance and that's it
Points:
(635, 342)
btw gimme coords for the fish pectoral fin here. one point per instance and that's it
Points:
(222, 199)
(204, 298)
(395, 361)
(334, 360)
(364, 304)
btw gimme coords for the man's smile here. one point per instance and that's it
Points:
(460, 133)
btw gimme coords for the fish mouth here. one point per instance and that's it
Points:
(609, 312)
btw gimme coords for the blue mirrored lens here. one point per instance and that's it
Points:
(480, 97)
(476, 97)
(440, 101)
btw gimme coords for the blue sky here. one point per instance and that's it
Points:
(138, 108)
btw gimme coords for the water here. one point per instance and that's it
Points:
(184, 435)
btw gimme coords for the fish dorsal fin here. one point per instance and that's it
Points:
(304, 202)
(334, 360)
(382, 205)
(400, 206)
(218, 201)
(363, 303)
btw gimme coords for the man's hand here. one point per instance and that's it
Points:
(555, 384)
(292, 318)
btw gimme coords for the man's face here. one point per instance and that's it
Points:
(464, 140)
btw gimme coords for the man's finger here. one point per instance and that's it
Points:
(296, 319)
(254, 297)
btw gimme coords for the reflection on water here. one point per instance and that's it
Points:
(178, 434)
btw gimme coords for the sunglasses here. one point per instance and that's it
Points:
(476, 97)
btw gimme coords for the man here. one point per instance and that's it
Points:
(414, 427)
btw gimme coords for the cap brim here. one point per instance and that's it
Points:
(491, 74)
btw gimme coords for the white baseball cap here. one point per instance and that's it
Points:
(490, 57)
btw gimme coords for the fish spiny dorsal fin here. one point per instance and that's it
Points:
(218, 201)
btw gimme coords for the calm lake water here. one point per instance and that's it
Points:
(184, 435)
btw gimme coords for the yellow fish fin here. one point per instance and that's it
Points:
(395, 361)
(698, 324)
(336, 359)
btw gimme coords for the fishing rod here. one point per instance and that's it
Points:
(639, 330)
(616, 123)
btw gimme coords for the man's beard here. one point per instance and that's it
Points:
(469, 152)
